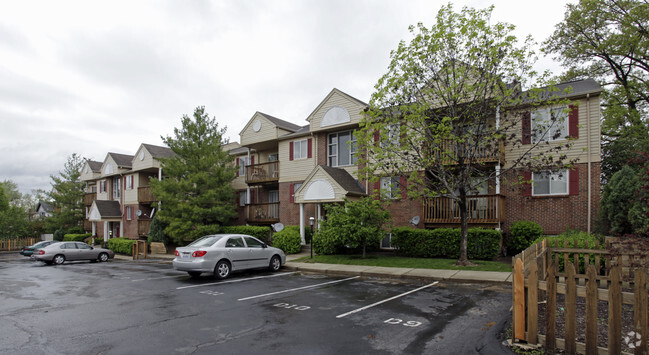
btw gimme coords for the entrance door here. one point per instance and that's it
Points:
(273, 208)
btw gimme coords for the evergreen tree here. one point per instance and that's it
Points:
(67, 195)
(196, 195)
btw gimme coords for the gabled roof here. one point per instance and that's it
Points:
(105, 209)
(46, 206)
(158, 151)
(281, 123)
(569, 89)
(345, 180)
(329, 96)
(95, 166)
(303, 131)
(122, 160)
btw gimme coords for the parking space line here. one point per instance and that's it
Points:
(297, 289)
(387, 300)
(240, 280)
(159, 278)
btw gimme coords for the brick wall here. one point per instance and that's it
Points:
(289, 213)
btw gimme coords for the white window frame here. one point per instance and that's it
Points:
(129, 213)
(390, 189)
(334, 149)
(129, 182)
(117, 187)
(300, 149)
(243, 161)
(388, 237)
(544, 129)
(560, 179)
(392, 137)
(243, 198)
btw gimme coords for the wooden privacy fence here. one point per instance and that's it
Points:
(597, 297)
(15, 244)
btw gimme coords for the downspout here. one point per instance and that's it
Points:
(498, 173)
(588, 213)
(247, 186)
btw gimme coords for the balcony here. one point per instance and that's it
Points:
(144, 195)
(143, 226)
(478, 154)
(263, 213)
(262, 173)
(483, 209)
(89, 198)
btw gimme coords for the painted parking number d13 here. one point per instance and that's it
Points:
(292, 306)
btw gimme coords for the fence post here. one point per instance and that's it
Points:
(640, 316)
(550, 310)
(532, 303)
(571, 312)
(615, 311)
(591, 310)
(519, 301)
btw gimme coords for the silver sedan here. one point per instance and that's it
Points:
(58, 253)
(223, 253)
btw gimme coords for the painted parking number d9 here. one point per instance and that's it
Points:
(410, 323)
(292, 306)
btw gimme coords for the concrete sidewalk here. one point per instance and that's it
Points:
(369, 271)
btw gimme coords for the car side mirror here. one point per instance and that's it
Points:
(264, 245)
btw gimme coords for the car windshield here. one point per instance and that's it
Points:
(206, 241)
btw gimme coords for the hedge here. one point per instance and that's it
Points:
(76, 237)
(121, 245)
(445, 242)
(288, 240)
(571, 236)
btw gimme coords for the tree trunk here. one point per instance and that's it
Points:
(464, 232)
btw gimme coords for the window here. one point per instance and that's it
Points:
(550, 183)
(549, 124)
(300, 149)
(386, 242)
(392, 138)
(117, 187)
(341, 149)
(102, 186)
(253, 243)
(390, 187)
(129, 213)
(243, 161)
(273, 157)
(234, 242)
(129, 182)
(243, 198)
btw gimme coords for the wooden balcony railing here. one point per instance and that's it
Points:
(88, 198)
(477, 154)
(263, 212)
(143, 226)
(481, 209)
(262, 173)
(144, 195)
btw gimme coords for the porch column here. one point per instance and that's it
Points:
(106, 231)
(94, 229)
(302, 236)
(121, 228)
(319, 214)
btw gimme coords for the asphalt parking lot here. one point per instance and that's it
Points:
(124, 307)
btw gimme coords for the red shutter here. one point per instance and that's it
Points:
(290, 151)
(377, 188)
(573, 181)
(291, 190)
(527, 187)
(403, 181)
(573, 121)
(237, 166)
(309, 148)
(252, 160)
(526, 124)
(377, 136)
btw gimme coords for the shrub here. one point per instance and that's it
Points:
(121, 245)
(156, 232)
(522, 235)
(445, 242)
(75, 230)
(571, 236)
(59, 234)
(288, 240)
(76, 237)
(261, 233)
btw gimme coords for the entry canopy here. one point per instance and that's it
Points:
(328, 184)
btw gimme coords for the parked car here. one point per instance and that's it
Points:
(223, 253)
(60, 252)
(29, 250)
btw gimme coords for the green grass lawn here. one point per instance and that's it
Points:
(398, 261)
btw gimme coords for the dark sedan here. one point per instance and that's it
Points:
(29, 250)
(60, 252)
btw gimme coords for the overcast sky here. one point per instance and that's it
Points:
(93, 77)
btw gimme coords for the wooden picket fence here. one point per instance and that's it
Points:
(609, 282)
(15, 244)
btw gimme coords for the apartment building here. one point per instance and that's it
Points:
(288, 172)
(118, 198)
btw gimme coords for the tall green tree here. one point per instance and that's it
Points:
(196, 195)
(14, 214)
(67, 195)
(450, 96)
(609, 40)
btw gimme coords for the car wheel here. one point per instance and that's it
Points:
(222, 270)
(194, 274)
(275, 263)
(59, 259)
(103, 257)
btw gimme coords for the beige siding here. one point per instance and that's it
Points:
(336, 98)
(129, 196)
(588, 110)
(147, 162)
(87, 174)
(268, 131)
(339, 192)
(294, 170)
